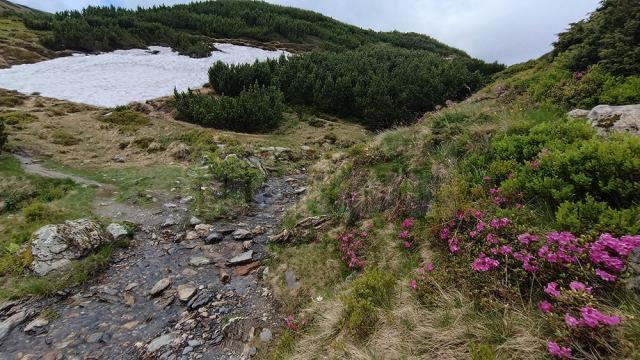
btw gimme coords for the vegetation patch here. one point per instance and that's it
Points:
(15, 118)
(125, 119)
(64, 138)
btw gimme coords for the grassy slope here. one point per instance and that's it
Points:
(433, 169)
(19, 45)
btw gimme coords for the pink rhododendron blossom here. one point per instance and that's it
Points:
(571, 321)
(494, 251)
(430, 267)
(593, 318)
(484, 263)
(558, 351)
(407, 223)
(527, 238)
(478, 214)
(403, 234)
(612, 252)
(545, 306)
(491, 239)
(535, 164)
(407, 245)
(605, 275)
(494, 191)
(473, 234)
(579, 287)
(444, 233)
(453, 244)
(413, 284)
(480, 227)
(552, 289)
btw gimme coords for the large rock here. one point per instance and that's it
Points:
(54, 246)
(12, 321)
(117, 231)
(606, 118)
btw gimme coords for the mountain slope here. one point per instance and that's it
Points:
(189, 28)
(488, 230)
(9, 7)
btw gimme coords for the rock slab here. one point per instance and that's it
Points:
(54, 246)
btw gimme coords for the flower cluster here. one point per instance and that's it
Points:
(422, 272)
(405, 233)
(611, 254)
(293, 324)
(352, 248)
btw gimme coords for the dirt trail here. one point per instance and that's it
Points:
(30, 166)
(114, 317)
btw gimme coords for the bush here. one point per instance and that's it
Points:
(64, 138)
(3, 136)
(125, 119)
(14, 118)
(236, 175)
(257, 109)
(370, 291)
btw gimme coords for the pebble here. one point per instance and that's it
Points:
(160, 286)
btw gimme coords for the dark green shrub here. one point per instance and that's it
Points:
(14, 118)
(3, 136)
(583, 216)
(257, 109)
(236, 175)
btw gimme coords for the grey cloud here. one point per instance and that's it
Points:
(508, 31)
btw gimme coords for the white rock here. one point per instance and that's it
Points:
(117, 231)
(11, 322)
(199, 261)
(37, 323)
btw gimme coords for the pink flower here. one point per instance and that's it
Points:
(453, 245)
(545, 306)
(413, 284)
(527, 238)
(473, 234)
(407, 223)
(535, 164)
(480, 227)
(552, 289)
(484, 263)
(430, 267)
(404, 234)
(577, 286)
(486, 178)
(571, 321)
(593, 318)
(491, 238)
(444, 233)
(407, 245)
(558, 351)
(605, 275)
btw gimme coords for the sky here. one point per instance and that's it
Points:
(507, 31)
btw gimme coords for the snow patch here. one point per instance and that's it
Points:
(123, 76)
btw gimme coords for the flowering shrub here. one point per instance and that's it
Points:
(556, 257)
(352, 248)
(405, 234)
(295, 325)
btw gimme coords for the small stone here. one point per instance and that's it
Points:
(199, 261)
(244, 270)
(187, 350)
(35, 325)
(247, 244)
(119, 158)
(95, 338)
(242, 234)
(161, 341)
(117, 231)
(131, 286)
(160, 286)
(266, 335)
(224, 277)
(203, 229)
(192, 235)
(130, 325)
(243, 258)
(214, 237)
(194, 343)
(189, 272)
(195, 221)
(186, 292)
(170, 221)
(202, 298)
(186, 200)
(258, 230)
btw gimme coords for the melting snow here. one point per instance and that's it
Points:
(123, 76)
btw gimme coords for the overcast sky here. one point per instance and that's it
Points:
(508, 31)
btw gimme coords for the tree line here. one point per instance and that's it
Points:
(189, 27)
(382, 86)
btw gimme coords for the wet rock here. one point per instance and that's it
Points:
(213, 238)
(12, 321)
(161, 341)
(244, 270)
(36, 326)
(97, 337)
(186, 292)
(117, 231)
(160, 286)
(195, 221)
(54, 246)
(243, 258)
(242, 234)
(266, 335)
(199, 261)
(201, 299)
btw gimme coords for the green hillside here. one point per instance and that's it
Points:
(189, 28)
(496, 228)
